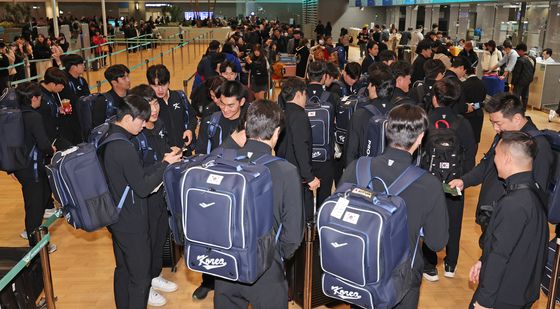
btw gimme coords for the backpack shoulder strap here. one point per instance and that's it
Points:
(267, 159)
(409, 176)
(185, 102)
(325, 96)
(213, 123)
(109, 107)
(363, 171)
(113, 137)
(372, 109)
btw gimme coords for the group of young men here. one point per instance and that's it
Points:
(162, 127)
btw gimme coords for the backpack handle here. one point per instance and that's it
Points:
(381, 180)
(436, 124)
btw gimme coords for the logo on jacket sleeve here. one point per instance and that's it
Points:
(343, 294)
(176, 106)
(210, 263)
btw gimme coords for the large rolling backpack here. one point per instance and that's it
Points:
(364, 243)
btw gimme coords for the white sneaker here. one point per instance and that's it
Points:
(49, 212)
(164, 285)
(551, 115)
(155, 299)
(24, 235)
(52, 248)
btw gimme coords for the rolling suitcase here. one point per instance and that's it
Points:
(172, 252)
(304, 272)
(27, 286)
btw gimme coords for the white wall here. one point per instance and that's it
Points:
(340, 14)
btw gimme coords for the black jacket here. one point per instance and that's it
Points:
(73, 90)
(99, 112)
(401, 97)
(418, 68)
(173, 113)
(356, 138)
(37, 145)
(475, 92)
(464, 134)
(485, 172)
(368, 60)
(427, 211)
(287, 195)
(515, 246)
(152, 144)
(123, 167)
(523, 72)
(295, 142)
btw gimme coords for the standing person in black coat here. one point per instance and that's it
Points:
(402, 71)
(381, 85)
(446, 93)
(152, 144)
(372, 48)
(506, 112)
(475, 94)
(424, 51)
(295, 142)
(77, 87)
(270, 290)
(175, 109)
(51, 109)
(522, 74)
(456, 72)
(118, 76)
(405, 129)
(302, 54)
(123, 168)
(513, 257)
(33, 178)
(257, 65)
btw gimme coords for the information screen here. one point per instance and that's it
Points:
(200, 15)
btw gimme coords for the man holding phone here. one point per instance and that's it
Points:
(175, 109)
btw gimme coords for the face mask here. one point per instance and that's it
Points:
(321, 42)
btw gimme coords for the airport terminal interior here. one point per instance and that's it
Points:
(178, 36)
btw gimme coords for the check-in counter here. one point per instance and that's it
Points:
(544, 91)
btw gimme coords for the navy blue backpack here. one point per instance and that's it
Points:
(79, 184)
(363, 239)
(233, 196)
(320, 114)
(84, 110)
(13, 153)
(374, 143)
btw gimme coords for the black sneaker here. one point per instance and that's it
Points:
(449, 271)
(431, 274)
(201, 292)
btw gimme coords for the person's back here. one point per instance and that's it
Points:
(270, 290)
(405, 130)
(515, 244)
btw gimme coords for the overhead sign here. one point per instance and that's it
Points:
(361, 3)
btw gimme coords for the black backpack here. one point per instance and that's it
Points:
(443, 153)
(422, 93)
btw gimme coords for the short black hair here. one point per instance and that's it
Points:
(144, 91)
(460, 61)
(26, 91)
(401, 68)
(115, 72)
(433, 67)
(423, 45)
(446, 91)
(507, 104)
(316, 70)
(332, 70)
(228, 64)
(291, 86)
(135, 106)
(56, 76)
(521, 46)
(371, 44)
(233, 89)
(523, 141)
(405, 123)
(507, 44)
(353, 70)
(71, 59)
(383, 81)
(548, 51)
(377, 66)
(387, 55)
(214, 45)
(159, 72)
(262, 118)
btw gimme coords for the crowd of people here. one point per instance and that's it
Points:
(227, 108)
